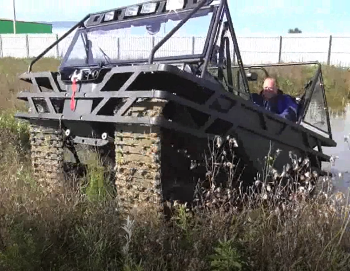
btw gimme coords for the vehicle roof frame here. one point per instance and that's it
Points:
(151, 59)
(191, 5)
(218, 11)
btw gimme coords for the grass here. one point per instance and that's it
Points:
(82, 229)
(10, 69)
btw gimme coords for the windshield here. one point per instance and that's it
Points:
(134, 40)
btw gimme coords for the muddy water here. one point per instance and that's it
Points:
(341, 167)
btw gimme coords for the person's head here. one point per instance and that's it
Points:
(269, 88)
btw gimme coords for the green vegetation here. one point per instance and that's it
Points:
(82, 229)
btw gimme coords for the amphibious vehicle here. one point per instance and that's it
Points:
(159, 110)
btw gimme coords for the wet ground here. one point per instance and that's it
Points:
(341, 166)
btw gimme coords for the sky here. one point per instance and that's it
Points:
(266, 17)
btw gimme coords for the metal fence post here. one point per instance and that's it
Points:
(118, 45)
(329, 50)
(57, 49)
(1, 52)
(27, 45)
(280, 51)
(193, 44)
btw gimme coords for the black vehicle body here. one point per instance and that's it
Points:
(195, 106)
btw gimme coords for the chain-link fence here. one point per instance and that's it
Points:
(334, 50)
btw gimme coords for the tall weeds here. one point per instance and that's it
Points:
(265, 229)
(83, 231)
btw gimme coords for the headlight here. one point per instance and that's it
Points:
(175, 4)
(132, 11)
(109, 16)
(148, 8)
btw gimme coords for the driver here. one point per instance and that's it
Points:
(273, 99)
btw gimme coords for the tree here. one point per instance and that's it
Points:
(295, 30)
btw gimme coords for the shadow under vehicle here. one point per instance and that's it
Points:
(156, 111)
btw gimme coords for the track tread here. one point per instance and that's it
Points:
(138, 172)
(138, 161)
(47, 156)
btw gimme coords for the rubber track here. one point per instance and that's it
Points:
(47, 157)
(138, 163)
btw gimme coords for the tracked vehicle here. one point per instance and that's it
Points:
(160, 111)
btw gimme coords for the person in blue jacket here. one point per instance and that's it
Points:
(274, 100)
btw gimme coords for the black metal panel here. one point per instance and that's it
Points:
(162, 122)
(171, 125)
(91, 141)
(166, 69)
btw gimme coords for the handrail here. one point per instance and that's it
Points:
(55, 43)
(280, 64)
